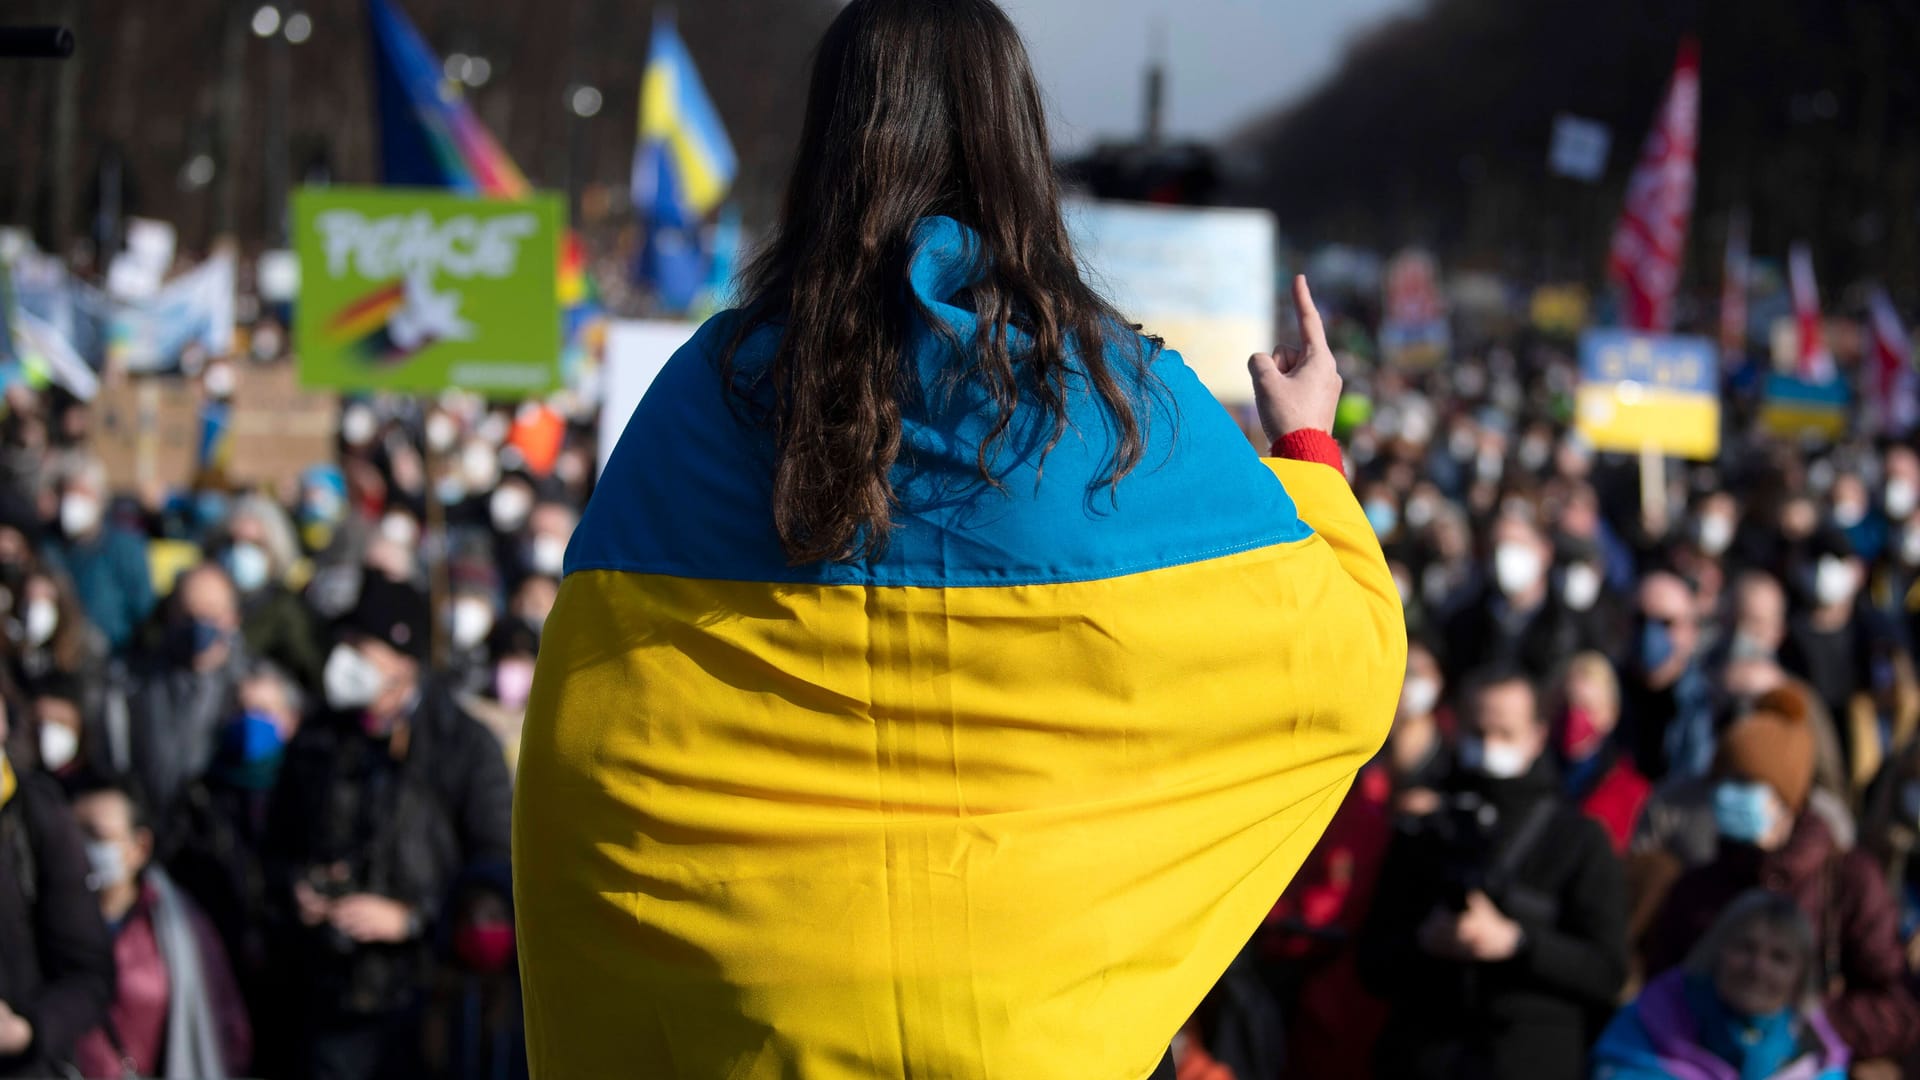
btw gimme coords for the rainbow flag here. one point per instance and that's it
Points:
(1004, 800)
(429, 136)
(428, 133)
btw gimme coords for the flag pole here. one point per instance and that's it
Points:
(1653, 490)
(439, 588)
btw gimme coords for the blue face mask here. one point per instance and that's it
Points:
(250, 751)
(254, 736)
(1656, 645)
(210, 509)
(1382, 516)
(203, 636)
(1744, 811)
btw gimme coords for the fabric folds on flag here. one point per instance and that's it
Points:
(1815, 362)
(1000, 802)
(429, 135)
(1651, 238)
(1893, 384)
(684, 162)
(683, 166)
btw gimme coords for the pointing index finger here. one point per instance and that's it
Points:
(1312, 334)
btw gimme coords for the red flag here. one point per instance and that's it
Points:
(1816, 363)
(1892, 366)
(1652, 233)
(1733, 291)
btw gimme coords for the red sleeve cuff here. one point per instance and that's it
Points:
(1310, 445)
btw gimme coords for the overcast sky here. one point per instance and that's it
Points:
(1226, 59)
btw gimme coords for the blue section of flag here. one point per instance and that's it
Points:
(1799, 393)
(682, 164)
(680, 136)
(1200, 493)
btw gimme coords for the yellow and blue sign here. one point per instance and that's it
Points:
(1649, 391)
(1793, 408)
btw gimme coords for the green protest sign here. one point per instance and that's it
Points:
(412, 289)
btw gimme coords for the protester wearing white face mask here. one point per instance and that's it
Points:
(107, 564)
(275, 625)
(509, 506)
(1824, 643)
(549, 527)
(470, 620)
(58, 721)
(54, 647)
(1517, 620)
(1506, 902)
(366, 927)
(196, 1024)
(1900, 486)
(1417, 759)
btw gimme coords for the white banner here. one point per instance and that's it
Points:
(636, 351)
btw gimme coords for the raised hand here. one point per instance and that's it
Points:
(1297, 388)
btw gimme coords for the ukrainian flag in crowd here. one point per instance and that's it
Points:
(683, 167)
(1002, 801)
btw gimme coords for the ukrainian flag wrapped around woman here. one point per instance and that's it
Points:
(940, 687)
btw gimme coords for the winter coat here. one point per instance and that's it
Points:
(1657, 1038)
(1843, 894)
(402, 829)
(174, 717)
(278, 627)
(1484, 634)
(56, 961)
(177, 1012)
(112, 579)
(1534, 1014)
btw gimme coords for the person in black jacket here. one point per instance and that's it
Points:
(380, 806)
(56, 961)
(1518, 619)
(1498, 932)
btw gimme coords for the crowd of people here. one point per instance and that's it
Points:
(254, 819)
(1651, 795)
(1647, 808)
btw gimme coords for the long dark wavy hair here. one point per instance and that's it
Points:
(917, 108)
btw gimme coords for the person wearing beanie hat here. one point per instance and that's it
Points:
(1772, 838)
(1772, 747)
(376, 815)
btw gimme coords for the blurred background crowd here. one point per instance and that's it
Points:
(1623, 712)
(1651, 797)
(291, 773)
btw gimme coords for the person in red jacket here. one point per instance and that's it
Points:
(1599, 778)
(1768, 839)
